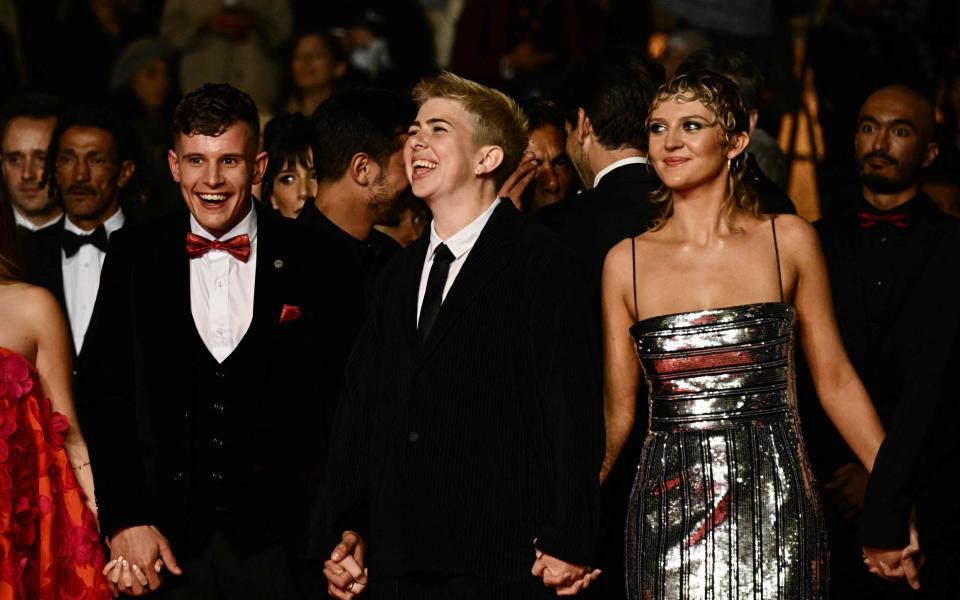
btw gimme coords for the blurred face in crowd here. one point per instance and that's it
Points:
(90, 175)
(151, 84)
(555, 174)
(216, 173)
(313, 65)
(686, 145)
(293, 186)
(24, 147)
(441, 155)
(894, 139)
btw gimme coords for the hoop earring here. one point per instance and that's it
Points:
(729, 163)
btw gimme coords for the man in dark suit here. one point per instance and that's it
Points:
(605, 102)
(209, 377)
(467, 445)
(91, 160)
(358, 157)
(894, 265)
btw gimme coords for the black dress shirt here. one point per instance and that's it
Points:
(367, 256)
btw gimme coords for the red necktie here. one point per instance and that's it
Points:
(869, 219)
(238, 247)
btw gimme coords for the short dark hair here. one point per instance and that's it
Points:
(28, 105)
(732, 63)
(541, 113)
(98, 117)
(357, 120)
(614, 87)
(286, 140)
(212, 109)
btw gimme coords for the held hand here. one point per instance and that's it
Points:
(518, 181)
(884, 563)
(910, 557)
(847, 490)
(137, 556)
(567, 579)
(345, 570)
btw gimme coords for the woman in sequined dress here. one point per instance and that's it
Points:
(724, 504)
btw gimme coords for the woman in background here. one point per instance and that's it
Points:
(290, 179)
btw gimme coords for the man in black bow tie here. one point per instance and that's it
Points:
(210, 375)
(894, 263)
(91, 160)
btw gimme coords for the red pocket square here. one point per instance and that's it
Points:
(289, 313)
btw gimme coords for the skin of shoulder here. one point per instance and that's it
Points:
(799, 246)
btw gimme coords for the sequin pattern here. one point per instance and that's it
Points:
(724, 505)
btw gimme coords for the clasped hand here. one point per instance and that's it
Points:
(347, 575)
(896, 564)
(137, 557)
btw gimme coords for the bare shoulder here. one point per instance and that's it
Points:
(795, 235)
(29, 303)
(621, 255)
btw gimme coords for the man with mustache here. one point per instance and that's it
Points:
(894, 264)
(90, 161)
(27, 124)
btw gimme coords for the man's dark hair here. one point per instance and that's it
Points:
(614, 87)
(212, 109)
(358, 120)
(125, 142)
(287, 138)
(542, 113)
(29, 105)
(732, 63)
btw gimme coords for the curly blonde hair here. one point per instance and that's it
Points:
(721, 95)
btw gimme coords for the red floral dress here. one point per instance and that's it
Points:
(49, 547)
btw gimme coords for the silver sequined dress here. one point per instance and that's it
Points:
(724, 505)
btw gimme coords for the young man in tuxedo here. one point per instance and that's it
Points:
(466, 449)
(894, 265)
(209, 375)
(90, 162)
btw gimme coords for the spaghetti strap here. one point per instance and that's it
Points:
(776, 251)
(633, 257)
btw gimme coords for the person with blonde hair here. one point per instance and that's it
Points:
(466, 447)
(710, 300)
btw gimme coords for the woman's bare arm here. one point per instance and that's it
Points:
(621, 368)
(841, 392)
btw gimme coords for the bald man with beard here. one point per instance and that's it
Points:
(894, 264)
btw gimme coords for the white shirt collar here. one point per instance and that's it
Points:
(462, 241)
(27, 224)
(247, 225)
(112, 224)
(631, 160)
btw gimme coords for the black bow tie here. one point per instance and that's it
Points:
(71, 242)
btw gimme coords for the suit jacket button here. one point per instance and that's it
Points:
(217, 442)
(178, 476)
(216, 476)
(220, 374)
(218, 406)
(413, 436)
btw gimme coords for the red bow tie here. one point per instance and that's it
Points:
(869, 219)
(238, 247)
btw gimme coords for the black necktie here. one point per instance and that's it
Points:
(433, 297)
(71, 242)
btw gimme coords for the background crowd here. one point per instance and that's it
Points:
(89, 89)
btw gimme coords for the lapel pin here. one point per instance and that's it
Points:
(278, 264)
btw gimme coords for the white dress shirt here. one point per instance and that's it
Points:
(632, 160)
(460, 245)
(29, 225)
(81, 278)
(221, 290)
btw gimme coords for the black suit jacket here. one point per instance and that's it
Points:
(143, 379)
(906, 367)
(454, 456)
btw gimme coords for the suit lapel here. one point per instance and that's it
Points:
(268, 284)
(413, 270)
(487, 257)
